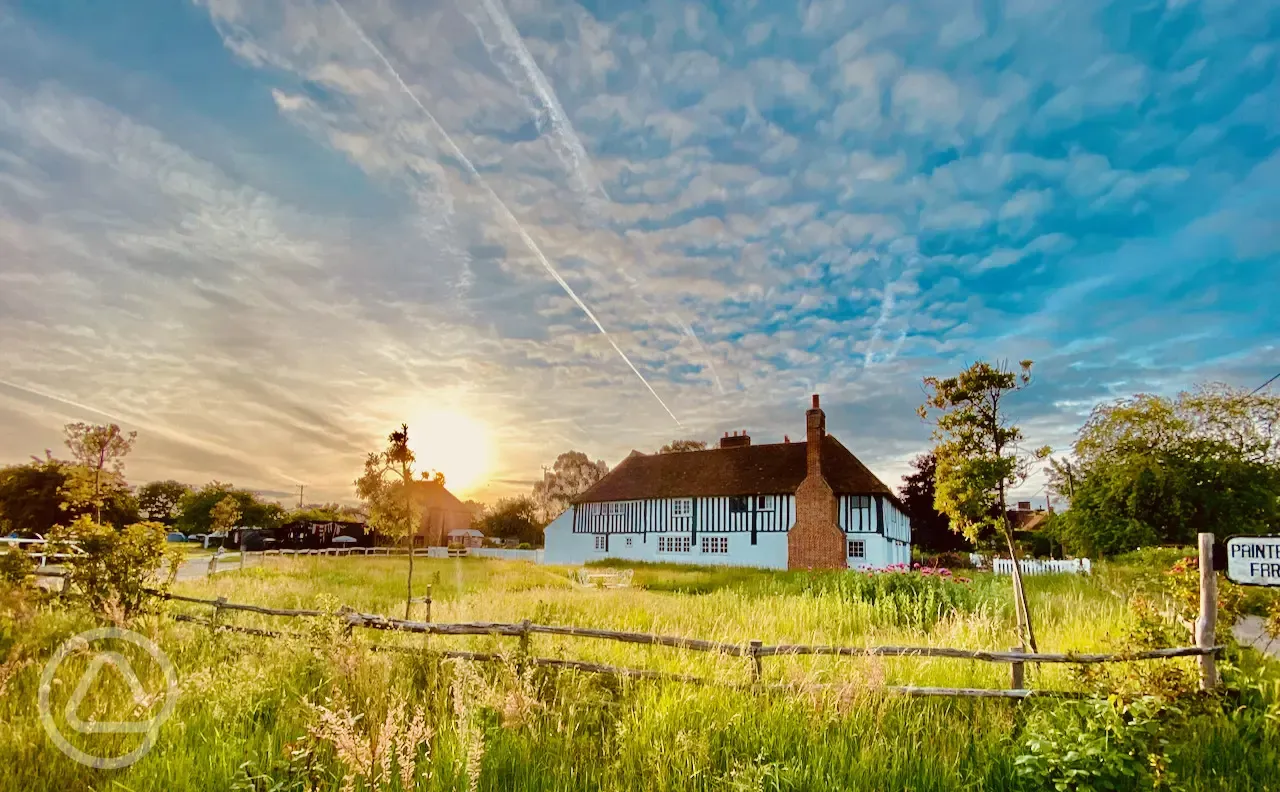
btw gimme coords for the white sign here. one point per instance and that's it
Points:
(1254, 560)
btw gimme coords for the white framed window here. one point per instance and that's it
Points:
(628, 541)
(738, 504)
(682, 507)
(674, 544)
(857, 548)
(764, 502)
(601, 541)
(615, 509)
(718, 545)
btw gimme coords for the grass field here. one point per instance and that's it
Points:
(248, 715)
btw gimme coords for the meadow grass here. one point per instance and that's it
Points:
(246, 703)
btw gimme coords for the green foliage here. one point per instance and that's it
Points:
(1153, 470)
(389, 503)
(117, 565)
(513, 518)
(902, 598)
(15, 565)
(36, 496)
(572, 474)
(224, 515)
(329, 512)
(680, 446)
(1098, 745)
(195, 509)
(930, 528)
(158, 501)
(100, 450)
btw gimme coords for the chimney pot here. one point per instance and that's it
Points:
(815, 401)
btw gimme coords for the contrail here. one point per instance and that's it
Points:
(563, 133)
(511, 218)
(877, 330)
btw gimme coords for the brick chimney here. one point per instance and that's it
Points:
(735, 440)
(815, 541)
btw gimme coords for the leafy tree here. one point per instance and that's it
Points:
(158, 500)
(678, 446)
(1157, 470)
(571, 475)
(513, 518)
(195, 509)
(224, 515)
(978, 458)
(36, 496)
(99, 449)
(930, 528)
(390, 503)
(327, 512)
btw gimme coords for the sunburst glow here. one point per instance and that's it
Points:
(454, 443)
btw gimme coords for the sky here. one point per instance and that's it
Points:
(263, 233)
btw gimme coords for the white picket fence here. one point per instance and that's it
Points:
(1031, 566)
(507, 553)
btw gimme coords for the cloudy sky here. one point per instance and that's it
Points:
(262, 233)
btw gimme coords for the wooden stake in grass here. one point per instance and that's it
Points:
(1207, 623)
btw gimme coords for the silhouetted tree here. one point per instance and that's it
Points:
(930, 528)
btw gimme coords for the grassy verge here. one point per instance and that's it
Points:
(246, 716)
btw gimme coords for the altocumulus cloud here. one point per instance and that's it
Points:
(260, 248)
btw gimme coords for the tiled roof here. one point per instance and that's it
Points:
(772, 469)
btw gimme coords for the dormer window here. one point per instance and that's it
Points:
(682, 507)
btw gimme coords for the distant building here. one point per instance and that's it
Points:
(810, 505)
(466, 537)
(441, 512)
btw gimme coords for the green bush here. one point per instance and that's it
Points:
(117, 566)
(15, 565)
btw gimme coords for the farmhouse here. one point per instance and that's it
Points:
(810, 505)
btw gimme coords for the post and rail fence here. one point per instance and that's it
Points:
(755, 651)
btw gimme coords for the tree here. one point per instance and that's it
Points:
(115, 568)
(930, 528)
(195, 509)
(978, 458)
(224, 515)
(571, 475)
(1157, 470)
(100, 449)
(679, 446)
(513, 518)
(36, 496)
(390, 504)
(158, 500)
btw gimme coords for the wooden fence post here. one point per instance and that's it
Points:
(522, 659)
(217, 609)
(428, 603)
(753, 649)
(1207, 624)
(213, 564)
(1017, 671)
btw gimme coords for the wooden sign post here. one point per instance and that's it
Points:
(1207, 624)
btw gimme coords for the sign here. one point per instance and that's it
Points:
(1254, 560)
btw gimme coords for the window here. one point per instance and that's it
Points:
(682, 507)
(737, 504)
(601, 541)
(628, 541)
(615, 509)
(857, 548)
(861, 501)
(674, 544)
(762, 501)
(715, 544)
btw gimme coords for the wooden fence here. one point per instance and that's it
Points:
(755, 652)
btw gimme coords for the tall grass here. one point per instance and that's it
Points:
(247, 703)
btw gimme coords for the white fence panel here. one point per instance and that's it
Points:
(508, 554)
(1031, 566)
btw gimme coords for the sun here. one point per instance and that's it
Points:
(453, 443)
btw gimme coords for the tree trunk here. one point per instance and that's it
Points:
(97, 499)
(408, 515)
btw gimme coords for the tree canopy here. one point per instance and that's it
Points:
(571, 475)
(195, 509)
(678, 446)
(930, 528)
(158, 500)
(1158, 470)
(513, 518)
(36, 496)
(100, 450)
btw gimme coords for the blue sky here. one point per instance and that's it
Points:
(263, 233)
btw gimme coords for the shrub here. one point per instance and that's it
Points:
(15, 565)
(117, 566)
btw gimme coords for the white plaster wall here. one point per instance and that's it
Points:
(562, 545)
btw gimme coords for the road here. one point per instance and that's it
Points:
(198, 567)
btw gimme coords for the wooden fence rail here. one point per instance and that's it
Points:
(755, 650)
